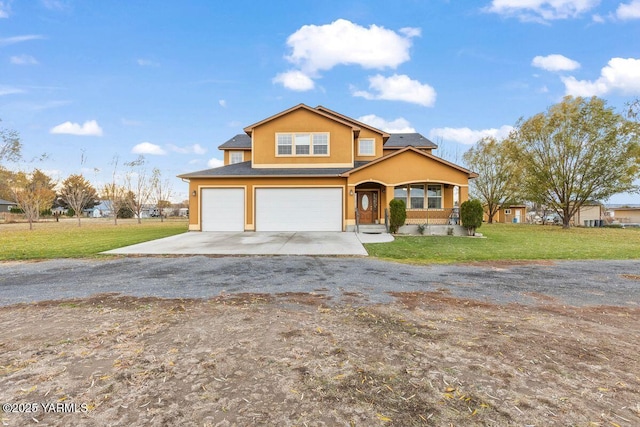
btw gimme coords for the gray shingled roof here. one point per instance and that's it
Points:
(406, 139)
(245, 169)
(6, 202)
(241, 140)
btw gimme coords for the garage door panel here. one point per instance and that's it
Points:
(299, 209)
(222, 209)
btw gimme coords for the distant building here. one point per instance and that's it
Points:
(6, 206)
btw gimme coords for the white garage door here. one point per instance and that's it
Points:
(299, 209)
(223, 209)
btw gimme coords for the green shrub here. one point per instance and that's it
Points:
(471, 215)
(125, 212)
(398, 214)
(16, 210)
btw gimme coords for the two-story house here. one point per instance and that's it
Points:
(313, 169)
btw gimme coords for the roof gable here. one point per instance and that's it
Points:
(420, 152)
(353, 126)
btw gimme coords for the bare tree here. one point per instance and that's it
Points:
(138, 184)
(161, 192)
(78, 193)
(10, 145)
(115, 193)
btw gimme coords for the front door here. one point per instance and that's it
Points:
(368, 206)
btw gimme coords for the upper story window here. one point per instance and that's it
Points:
(236, 157)
(302, 144)
(367, 147)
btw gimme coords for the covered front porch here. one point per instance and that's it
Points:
(431, 188)
(428, 203)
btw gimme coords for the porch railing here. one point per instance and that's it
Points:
(447, 216)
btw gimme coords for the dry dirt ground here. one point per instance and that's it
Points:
(299, 360)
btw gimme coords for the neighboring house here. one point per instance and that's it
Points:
(313, 169)
(626, 215)
(589, 213)
(508, 214)
(6, 206)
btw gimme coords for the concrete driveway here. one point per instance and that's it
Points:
(256, 243)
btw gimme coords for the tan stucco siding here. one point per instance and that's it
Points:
(409, 167)
(302, 121)
(250, 185)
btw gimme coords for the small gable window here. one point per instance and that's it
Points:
(367, 147)
(236, 157)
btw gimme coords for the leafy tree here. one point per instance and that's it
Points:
(498, 174)
(77, 193)
(160, 192)
(578, 150)
(33, 193)
(397, 214)
(471, 212)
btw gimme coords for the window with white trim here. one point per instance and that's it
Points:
(367, 147)
(236, 157)
(507, 211)
(302, 144)
(285, 144)
(321, 144)
(434, 196)
(401, 193)
(417, 196)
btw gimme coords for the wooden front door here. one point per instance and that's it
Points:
(368, 206)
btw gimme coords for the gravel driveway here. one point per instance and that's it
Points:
(358, 280)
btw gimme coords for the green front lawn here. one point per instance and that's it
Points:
(514, 242)
(65, 239)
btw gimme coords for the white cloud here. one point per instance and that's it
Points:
(629, 10)
(399, 125)
(541, 10)
(89, 128)
(469, 136)
(294, 80)
(399, 88)
(4, 10)
(215, 163)
(620, 75)
(148, 148)
(555, 63)
(316, 48)
(6, 41)
(322, 47)
(23, 60)
(223, 103)
(195, 149)
(8, 90)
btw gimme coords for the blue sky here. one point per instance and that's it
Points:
(173, 80)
